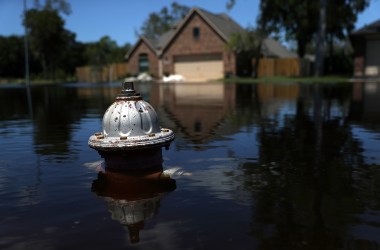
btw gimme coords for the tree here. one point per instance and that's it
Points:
(159, 23)
(58, 5)
(74, 55)
(47, 35)
(341, 17)
(103, 53)
(300, 19)
(47, 38)
(247, 44)
(319, 60)
(294, 17)
(11, 56)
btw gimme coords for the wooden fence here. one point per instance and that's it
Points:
(283, 67)
(108, 73)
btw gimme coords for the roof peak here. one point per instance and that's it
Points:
(223, 25)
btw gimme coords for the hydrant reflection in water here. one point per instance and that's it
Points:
(133, 197)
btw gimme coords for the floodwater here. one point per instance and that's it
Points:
(261, 166)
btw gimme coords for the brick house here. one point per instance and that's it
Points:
(195, 48)
(366, 44)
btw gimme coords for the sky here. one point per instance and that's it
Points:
(120, 19)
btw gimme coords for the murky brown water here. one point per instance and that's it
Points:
(263, 166)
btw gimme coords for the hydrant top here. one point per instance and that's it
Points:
(130, 123)
(128, 92)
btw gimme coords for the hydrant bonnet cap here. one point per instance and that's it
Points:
(130, 123)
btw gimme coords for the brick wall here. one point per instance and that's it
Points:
(133, 62)
(359, 45)
(359, 66)
(208, 42)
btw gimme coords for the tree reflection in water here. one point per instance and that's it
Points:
(311, 183)
(297, 165)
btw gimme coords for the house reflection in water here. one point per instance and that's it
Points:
(133, 197)
(366, 102)
(198, 109)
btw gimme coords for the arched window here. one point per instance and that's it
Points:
(143, 63)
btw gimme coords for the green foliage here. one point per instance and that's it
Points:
(247, 42)
(104, 52)
(47, 38)
(298, 19)
(73, 57)
(11, 56)
(342, 16)
(160, 22)
(294, 17)
(247, 46)
(54, 51)
(339, 59)
(57, 5)
(56, 48)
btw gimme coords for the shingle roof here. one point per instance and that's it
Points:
(152, 43)
(372, 28)
(222, 23)
(224, 26)
(272, 48)
(164, 38)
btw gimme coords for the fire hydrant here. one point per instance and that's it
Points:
(132, 137)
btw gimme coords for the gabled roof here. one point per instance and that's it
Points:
(272, 48)
(370, 29)
(151, 43)
(223, 25)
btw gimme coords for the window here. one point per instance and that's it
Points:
(143, 63)
(196, 32)
(197, 126)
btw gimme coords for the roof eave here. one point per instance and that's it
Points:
(141, 39)
(184, 21)
(221, 34)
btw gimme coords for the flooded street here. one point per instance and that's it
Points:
(253, 166)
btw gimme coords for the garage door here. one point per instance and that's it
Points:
(199, 67)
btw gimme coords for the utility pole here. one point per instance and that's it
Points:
(27, 78)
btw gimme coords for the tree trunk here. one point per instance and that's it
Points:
(331, 53)
(321, 39)
(301, 47)
(44, 68)
(257, 59)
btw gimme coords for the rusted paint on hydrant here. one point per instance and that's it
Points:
(131, 136)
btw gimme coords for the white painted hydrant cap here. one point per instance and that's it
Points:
(130, 123)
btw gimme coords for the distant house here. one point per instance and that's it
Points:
(366, 44)
(277, 60)
(273, 49)
(195, 48)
